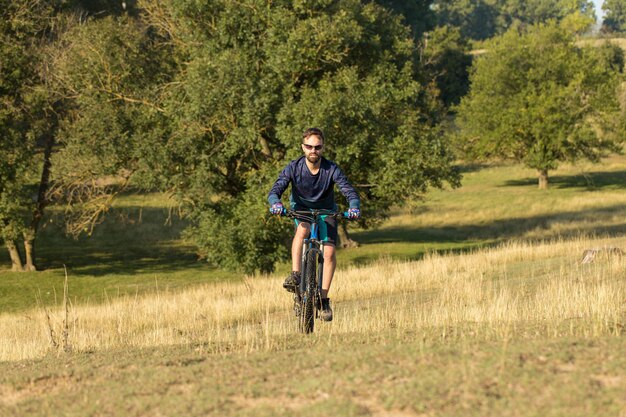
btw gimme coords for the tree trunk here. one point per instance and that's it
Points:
(344, 237)
(16, 259)
(31, 233)
(543, 179)
(29, 250)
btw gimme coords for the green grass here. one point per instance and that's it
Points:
(443, 371)
(412, 374)
(138, 249)
(499, 203)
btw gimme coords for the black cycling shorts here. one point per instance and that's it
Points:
(327, 229)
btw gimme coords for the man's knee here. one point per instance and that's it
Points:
(302, 231)
(329, 253)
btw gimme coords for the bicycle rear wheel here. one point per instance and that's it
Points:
(307, 318)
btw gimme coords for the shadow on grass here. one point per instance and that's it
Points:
(592, 181)
(131, 240)
(413, 253)
(470, 167)
(137, 240)
(464, 238)
(102, 262)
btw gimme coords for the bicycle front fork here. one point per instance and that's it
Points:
(306, 248)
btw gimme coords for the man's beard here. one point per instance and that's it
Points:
(313, 158)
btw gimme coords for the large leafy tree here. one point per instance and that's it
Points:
(615, 18)
(539, 99)
(36, 108)
(207, 100)
(253, 75)
(27, 117)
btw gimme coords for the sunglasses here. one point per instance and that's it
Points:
(311, 147)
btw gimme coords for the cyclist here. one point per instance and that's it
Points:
(312, 178)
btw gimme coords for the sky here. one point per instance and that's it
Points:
(599, 12)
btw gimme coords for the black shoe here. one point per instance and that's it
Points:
(292, 281)
(327, 312)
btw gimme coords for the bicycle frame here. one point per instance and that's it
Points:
(308, 299)
(313, 244)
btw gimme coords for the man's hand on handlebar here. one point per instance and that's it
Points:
(277, 209)
(354, 213)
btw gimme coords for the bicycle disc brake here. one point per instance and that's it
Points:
(318, 304)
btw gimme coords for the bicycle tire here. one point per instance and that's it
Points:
(307, 318)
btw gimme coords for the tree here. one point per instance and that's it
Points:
(418, 14)
(26, 119)
(615, 17)
(113, 74)
(35, 110)
(446, 61)
(207, 100)
(538, 99)
(482, 19)
(255, 74)
(540, 11)
(477, 20)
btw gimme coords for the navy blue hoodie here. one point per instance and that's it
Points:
(313, 191)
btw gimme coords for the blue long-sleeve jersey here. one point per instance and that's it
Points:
(313, 191)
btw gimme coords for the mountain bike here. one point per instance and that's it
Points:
(307, 300)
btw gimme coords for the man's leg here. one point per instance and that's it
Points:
(329, 270)
(302, 231)
(330, 261)
(293, 279)
(328, 233)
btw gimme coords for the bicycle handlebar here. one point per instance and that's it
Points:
(312, 212)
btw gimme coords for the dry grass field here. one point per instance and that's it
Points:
(520, 329)
(516, 290)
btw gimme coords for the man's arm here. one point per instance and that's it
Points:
(280, 185)
(346, 188)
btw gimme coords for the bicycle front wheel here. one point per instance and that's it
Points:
(307, 318)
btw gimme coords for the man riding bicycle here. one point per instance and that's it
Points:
(312, 179)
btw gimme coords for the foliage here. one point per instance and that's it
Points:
(537, 11)
(238, 236)
(112, 72)
(476, 19)
(560, 103)
(206, 100)
(255, 75)
(418, 14)
(49, 110)
(20, 26)
(446, 60)
(615, 18)
(483, 19)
